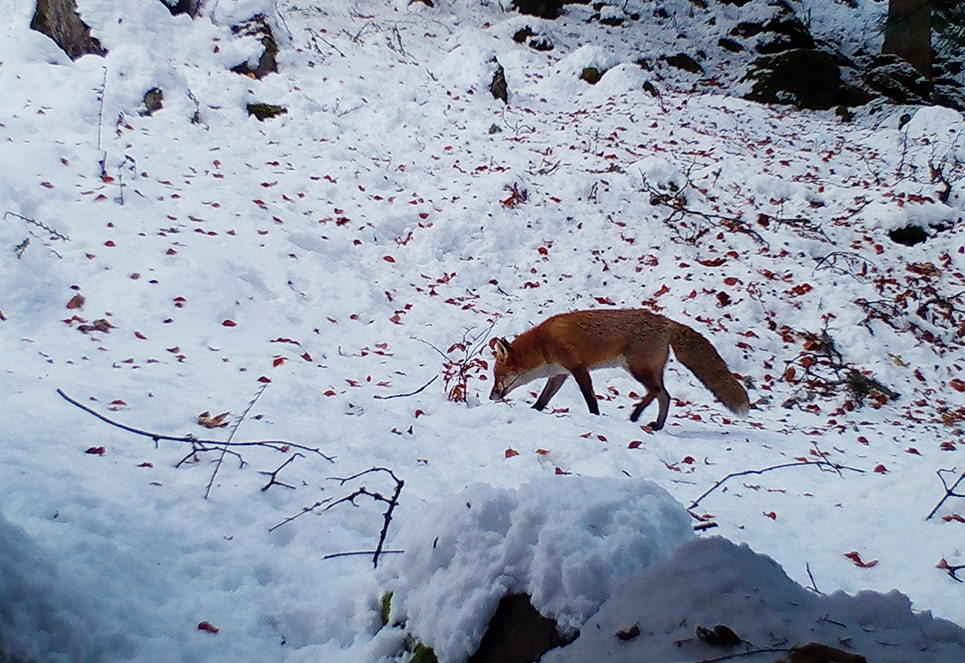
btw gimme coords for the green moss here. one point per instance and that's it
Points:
(423, 654)
(592, 75)
(266, 111)
(385, 608)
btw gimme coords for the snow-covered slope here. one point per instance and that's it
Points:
(329, 263)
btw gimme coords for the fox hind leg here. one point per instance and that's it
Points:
(655, 390)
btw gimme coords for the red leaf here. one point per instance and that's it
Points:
(146, 464)
(953, 517)
(388, 259)
(855, 557)
(948, 445)
(278, 361)
(862, 439)
(561, 472)
(96, 451)
(511, 452)
(880, 469)
(419, 413)
(140, 336)
(689, 460)
(208, 627)
(634, 444)
(771, 515)
(307, 357)
(957, 384)
(229, 323)
(75, 302)
(912, 450)
(264, 380)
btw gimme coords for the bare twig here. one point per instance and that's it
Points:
(273, 481)
(817, 463)
(277, 445)
(361, 491)
(411, 393)
(231, 435)
(356, 553)
(43, 226)
(949, 491)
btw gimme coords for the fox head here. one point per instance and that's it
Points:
(506, 373)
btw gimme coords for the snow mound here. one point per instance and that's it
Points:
(713, 581)
(567, 543)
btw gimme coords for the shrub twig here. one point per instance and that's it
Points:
(330, 503)
(949, 491)
(816, 463)
(201, 445)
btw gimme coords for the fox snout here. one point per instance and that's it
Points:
(497, 394)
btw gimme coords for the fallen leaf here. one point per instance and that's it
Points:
(855, 557)
(208, 627)
(629, 633)
(205, 419)
(511, 452)
(96, 451)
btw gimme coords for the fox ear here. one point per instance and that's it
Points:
(501, 348)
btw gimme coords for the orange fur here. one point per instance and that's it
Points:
(637, 340)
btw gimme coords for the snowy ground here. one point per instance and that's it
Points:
(372, 239)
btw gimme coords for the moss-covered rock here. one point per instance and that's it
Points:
(266, 111)
(803, 78)
(684, 62)
(153, 101)
(267, 63)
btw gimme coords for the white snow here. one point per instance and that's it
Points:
(373, 238)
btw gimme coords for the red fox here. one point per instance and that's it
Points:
(637, 340)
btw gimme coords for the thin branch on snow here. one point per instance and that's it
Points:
(835, 467)
(43, 226)
(329, 503)
(200, 444)
(231, 435)
(949, 491)
(411, 393)
(273, 481)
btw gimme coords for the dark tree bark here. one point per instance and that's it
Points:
(908, 33)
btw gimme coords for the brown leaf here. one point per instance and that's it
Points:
(629, 633)
(205, 419)
(720, 635)
(77, 301)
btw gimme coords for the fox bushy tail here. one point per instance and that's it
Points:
(696, 353)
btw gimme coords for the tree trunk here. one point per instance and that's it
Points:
(908, 33)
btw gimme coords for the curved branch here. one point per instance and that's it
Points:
(817, 463)
(278, 445)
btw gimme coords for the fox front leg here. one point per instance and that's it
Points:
(552, 386)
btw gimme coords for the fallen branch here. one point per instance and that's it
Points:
(361, 491)
(817, 463)
(277, 445)
(231, 435)
(949, 492)
(356, 553)
(411, 393)
(812, 652)
(273, 481)
(951, 569)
